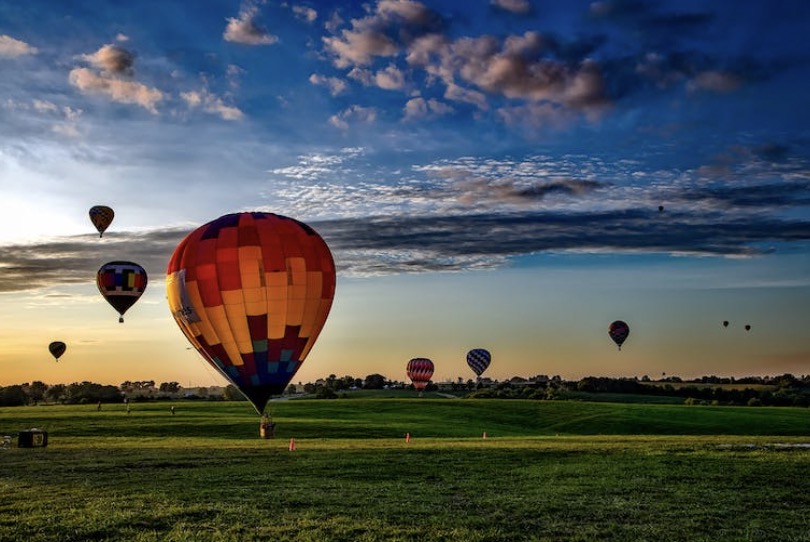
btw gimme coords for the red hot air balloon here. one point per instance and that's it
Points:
(121, 283)
(57, 348)
(101, 216)
(478, 359)
(419, 370)
(251, 292)
(619, 331)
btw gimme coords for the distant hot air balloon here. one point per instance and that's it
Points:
(478, 359)
(725, 323)
(101, 216)
(747, 327)
(121, 283)
(419, 370)
(619, 331)
(57, 348)
(251, 292)
(660, 208)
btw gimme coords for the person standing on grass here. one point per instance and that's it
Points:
(172, 409)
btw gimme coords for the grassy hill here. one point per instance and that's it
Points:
(616, 472)
(391, 418)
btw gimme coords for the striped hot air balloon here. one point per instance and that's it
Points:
(478, 359)
(251, 292)
(419, 370)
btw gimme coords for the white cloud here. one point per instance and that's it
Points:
(118, 90)
(211, 104)
(10, 47)
(112, 59)
(391, 78)
(306, 13)
(243, 29)
(335, 85)
(418, 107)
(519, 7)
(714, 81)
(354, 113)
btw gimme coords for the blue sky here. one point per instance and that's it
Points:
(487, 174)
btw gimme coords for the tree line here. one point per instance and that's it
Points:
(780, 390)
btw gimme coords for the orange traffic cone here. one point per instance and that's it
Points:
(292, 444)
(407, 437)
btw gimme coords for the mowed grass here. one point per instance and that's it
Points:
(546, 471)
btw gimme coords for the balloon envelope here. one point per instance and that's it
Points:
(101, 216)
(619, 331)
(747, 327)
(725, 323)
(419, 370)
(57, 348)
(251, 292)
(478, 359)
(121, 283)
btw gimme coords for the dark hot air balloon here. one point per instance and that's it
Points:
(747, 327)
(478, 359)
(101, 216)
(725, 323)
(251, 292)
(57, 348)
(619, 331)
(419, 370)
(121, 283)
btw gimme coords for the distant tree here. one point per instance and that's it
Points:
(169, 387)
(374, 382)
(36, 391)
(291, 389)
(13, 396)
(55, 393)
(232, 393)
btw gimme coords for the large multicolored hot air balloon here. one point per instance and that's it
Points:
(419, 370)
(57, 348)
(121, 283)
(251, 292)
(619, 331)
(101, 216)
(478, 359)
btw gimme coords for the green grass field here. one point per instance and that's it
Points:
(546, 471)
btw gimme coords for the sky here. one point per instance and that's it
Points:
(506, 174)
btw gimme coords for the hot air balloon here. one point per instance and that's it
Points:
(725, 323)
(251, 292)
(419, 370)
(478, 359)
(747, 327)
(57, 348)
(660, 208)
(101, 216)
(619, 331)
(121, 283)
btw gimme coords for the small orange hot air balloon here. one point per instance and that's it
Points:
(251, 292)
(101, 216)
